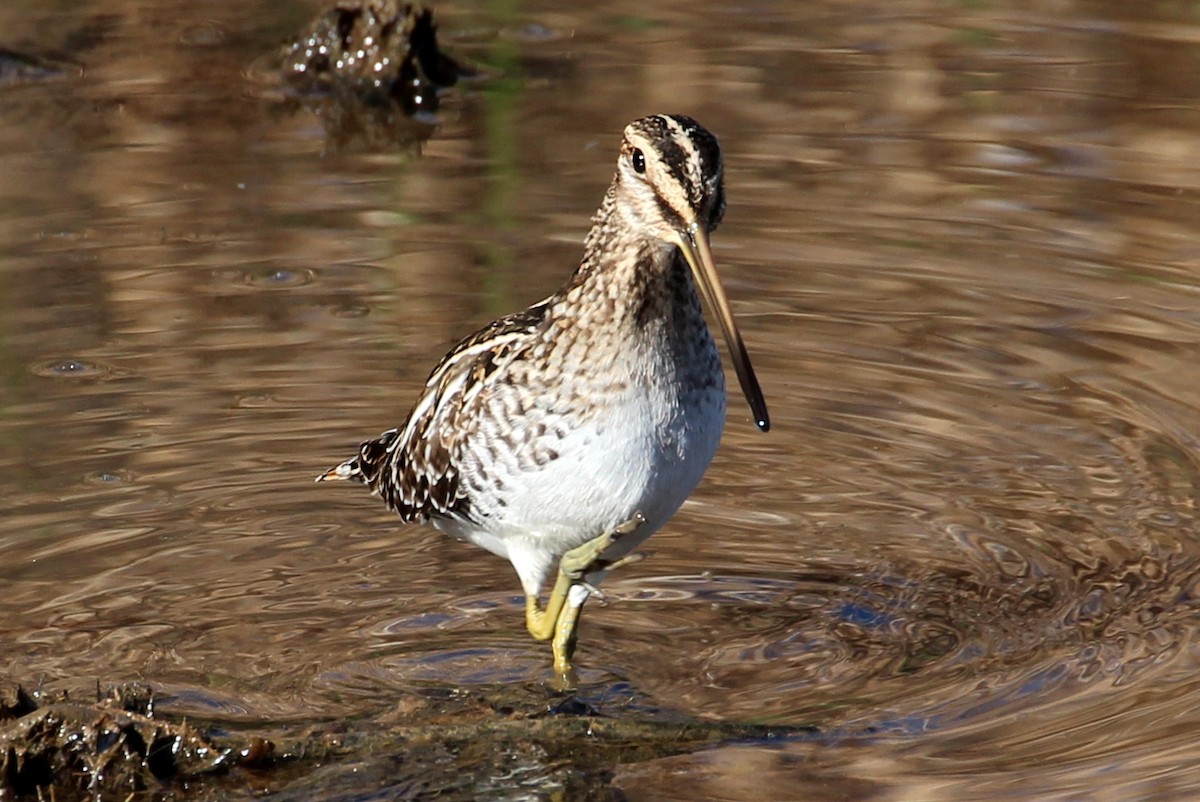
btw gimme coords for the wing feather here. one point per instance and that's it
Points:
(415, 468)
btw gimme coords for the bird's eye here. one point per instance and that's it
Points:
(639, 160)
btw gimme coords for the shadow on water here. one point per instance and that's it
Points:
(961, 241)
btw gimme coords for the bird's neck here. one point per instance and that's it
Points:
(628, 274)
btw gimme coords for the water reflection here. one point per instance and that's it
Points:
(964, 258)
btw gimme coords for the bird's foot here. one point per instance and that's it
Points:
(582, 559)
(595, 592)
(558, 621)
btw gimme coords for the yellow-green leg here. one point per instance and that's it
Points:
(559, 619)
(540, 621)
(565, 630)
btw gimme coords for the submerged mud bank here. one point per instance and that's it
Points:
(467, 745)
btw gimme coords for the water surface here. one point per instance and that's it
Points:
(962, 245)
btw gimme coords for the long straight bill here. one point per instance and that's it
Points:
(694, 244)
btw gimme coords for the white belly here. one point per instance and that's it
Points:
(641, 453)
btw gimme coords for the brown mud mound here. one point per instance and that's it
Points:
(112, 747)
(370, 70)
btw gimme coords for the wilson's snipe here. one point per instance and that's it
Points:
(570, 432)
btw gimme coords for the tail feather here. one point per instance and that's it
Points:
(365, 466)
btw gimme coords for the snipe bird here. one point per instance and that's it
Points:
(563, 436)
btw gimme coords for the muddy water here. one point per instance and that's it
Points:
(962, 244)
